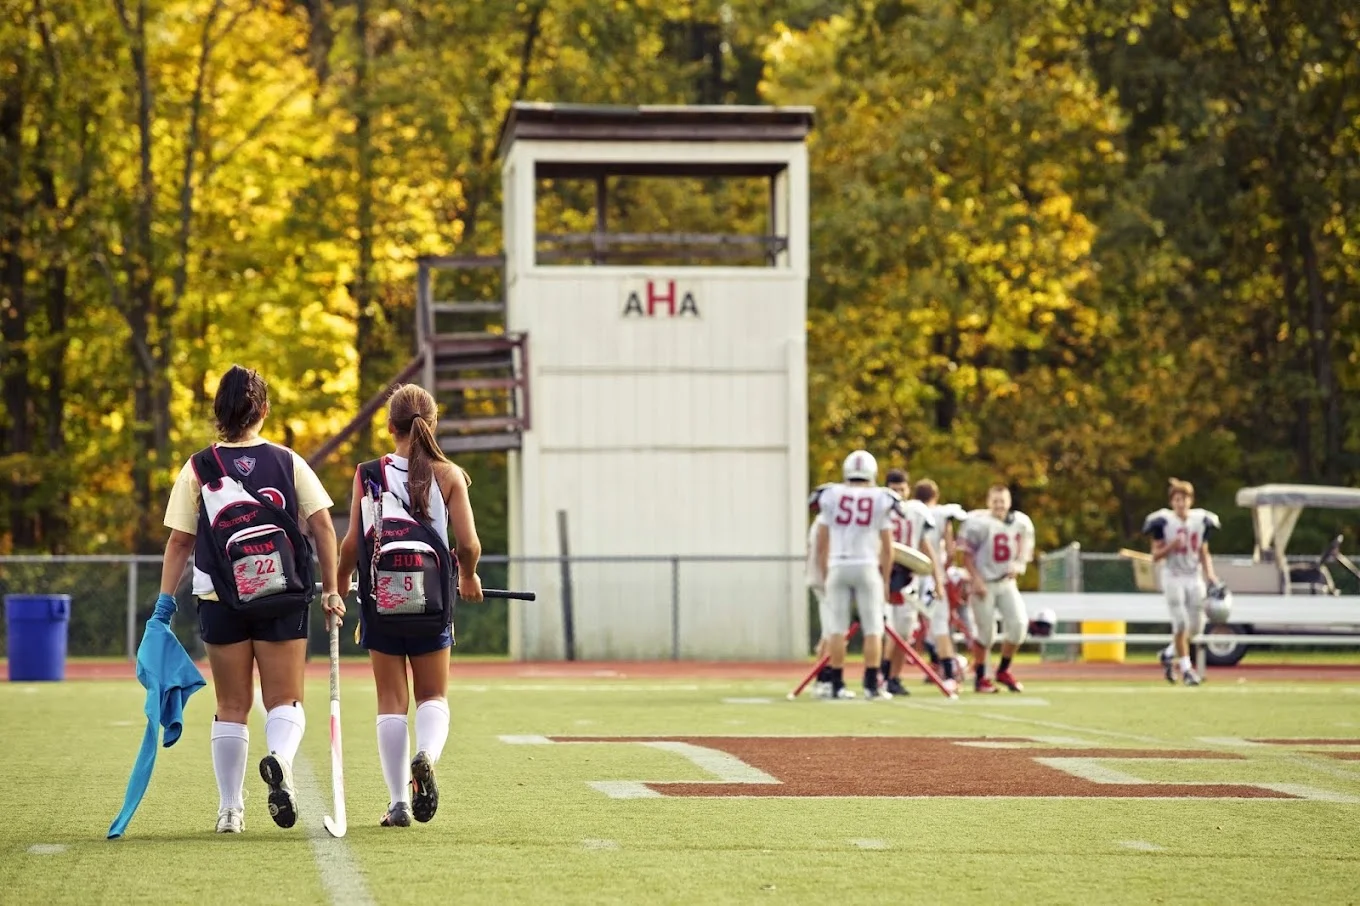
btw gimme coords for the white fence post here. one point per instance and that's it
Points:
(132, 610)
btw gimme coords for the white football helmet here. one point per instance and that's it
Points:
(1218, 603)
(860, 466)
(1042, 624)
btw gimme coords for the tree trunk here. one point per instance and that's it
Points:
(14, 361)
(1324, 371)
(150, 429)
(370, 320)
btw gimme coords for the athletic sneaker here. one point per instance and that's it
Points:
(1168, 666)
(282, 799)
(951, 686)
(1005, 678)
(424, 791)
(1191, 678)
(842, 693)
(896, 688)
(398, 815)
(821, 690)
(231, 820)
(985, 685)
(873, 692)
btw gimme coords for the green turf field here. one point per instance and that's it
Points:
(520, 821)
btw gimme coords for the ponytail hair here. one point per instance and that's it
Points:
(240, 404)
(411, 411)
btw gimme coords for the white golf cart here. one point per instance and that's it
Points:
(1275, 511)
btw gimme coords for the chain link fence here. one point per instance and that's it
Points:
(113, 596)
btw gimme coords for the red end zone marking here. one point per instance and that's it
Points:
(930, 766)
(1308, 741)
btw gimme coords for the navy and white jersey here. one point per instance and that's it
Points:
(855, 515)
(1186, 536)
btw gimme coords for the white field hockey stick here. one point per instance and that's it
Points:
(337, 825)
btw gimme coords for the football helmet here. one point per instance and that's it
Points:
(1218, 603)
(1041, 627)
(860, 466)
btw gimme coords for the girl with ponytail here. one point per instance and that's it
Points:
(434, 491)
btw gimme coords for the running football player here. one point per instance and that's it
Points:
(1180, 543)
(998, 543)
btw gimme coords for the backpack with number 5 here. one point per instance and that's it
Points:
(259, 560)
(406, 572)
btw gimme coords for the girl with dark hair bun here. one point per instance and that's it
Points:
(435, 492)
(240, 637)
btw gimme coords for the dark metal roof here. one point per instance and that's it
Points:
(591, 123)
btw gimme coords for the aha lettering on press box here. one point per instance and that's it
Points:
(661, 297)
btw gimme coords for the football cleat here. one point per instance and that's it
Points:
(843, 693)
(895, 687)
(282, 799)
(1191, 678)
(398, 815)
(985, 685)
(424, 791)
(1005, 678)
(231, 820)
(876, 692)
(1168, 666)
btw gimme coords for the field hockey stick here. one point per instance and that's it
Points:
(825, 659)
(336, 825)
(915, 658)
(509, 595)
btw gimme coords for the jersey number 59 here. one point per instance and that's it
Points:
(862, 512)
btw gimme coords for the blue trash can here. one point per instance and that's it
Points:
(37, 627)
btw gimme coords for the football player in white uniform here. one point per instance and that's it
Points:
(816, 582)
(998, 543)
(1180, 543)
(932, 588)
(915, 527)
(854, 549)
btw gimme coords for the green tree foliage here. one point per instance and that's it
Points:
(1074, 246)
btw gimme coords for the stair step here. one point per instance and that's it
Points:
(480, 443)
(497, 383)
(468, 308)
(453, 427)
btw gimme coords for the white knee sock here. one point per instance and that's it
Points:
(283, 729)
(394, 751)
(432, 727)
(230, 745)
(1185, 663)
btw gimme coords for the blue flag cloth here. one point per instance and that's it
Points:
(169, 676)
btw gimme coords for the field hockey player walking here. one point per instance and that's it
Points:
(235, 509)
(400, 512)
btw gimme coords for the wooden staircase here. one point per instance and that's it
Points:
(477, 371)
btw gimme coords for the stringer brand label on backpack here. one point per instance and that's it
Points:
(259, 560)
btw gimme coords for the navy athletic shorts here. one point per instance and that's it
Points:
(218, 624)
(402, 645)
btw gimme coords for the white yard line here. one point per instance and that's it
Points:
(1141, 846)
(339, 873)
(727, 768)
(1313, 763)
(340, 876)
(869, 844)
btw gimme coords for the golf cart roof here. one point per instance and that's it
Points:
(1275, 510)
(1300, 495)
